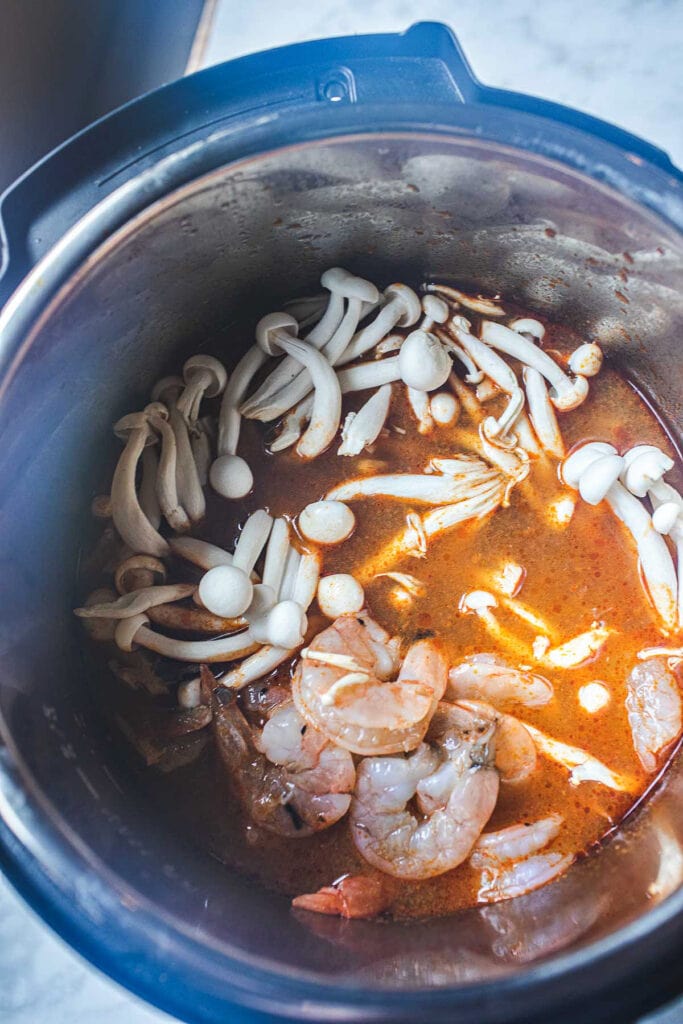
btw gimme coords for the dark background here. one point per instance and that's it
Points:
(64, 63)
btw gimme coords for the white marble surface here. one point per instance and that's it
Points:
(617, 59)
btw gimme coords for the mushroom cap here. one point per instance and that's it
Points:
(134, 421)
(160, 391)
(412, 308)
(444, 408)
(286, 625)
(423, 362)
(435, 308)
(586, 359)
(266, 327)
(665, 517)
(580, 459)
(226, 591)
(326, 522)
(644, 465)
(340, 594)
(477, 601)
(527, 325)
(211, 365)
(571, 396)
(599, 476)
(338, 280)
(230, 476)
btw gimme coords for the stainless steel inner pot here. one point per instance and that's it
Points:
(207, 258)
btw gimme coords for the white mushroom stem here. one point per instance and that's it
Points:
(136, 602)
(293, 426)
(487, 390)
(200, 552)
(488, 307)
(290, 573)
(369, 375)
(149, 503)
(167, 483)
(401, 309)
(255, 667)
(227, 648)
(467, 399)
(582, 767)
(362, 428)
(526, 437)
(594, 471)
(290, 382)
(527, 325)
(276, 555)
(272, 334)
(542, 413)
(252, 540)
(203, 375)
(419, 403)
(579, 649)
(189, 487)
(474, 375)
(306, 579)
(229, 419)
(431, 524)
(200, 443)
(129, 519)
(481, 603)
(500, 373)
(307, 310)
(565, 393)
(138, 571)
(431, 489)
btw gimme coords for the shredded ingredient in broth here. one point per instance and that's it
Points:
(437, 576)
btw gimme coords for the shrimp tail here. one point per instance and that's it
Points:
(353, 897)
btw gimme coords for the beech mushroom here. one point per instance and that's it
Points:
(444, 408)
(419, 403)
(167, 483)
(481, 603)
(582, 767)
(326, 522)
(340, 594)
(593, 697)
(502, 375)
(189, 486)
(129, 519)
(362, 428)
(542, 413)
(292, 426)
(586, 360)
(488, 307)
(204, 376)
(449, 480)
(273, 333)
(643, 474)
(230, 475)
(423, 362)
(138, 571)
(290, 382)
(593, 470)
(200, 552)
(134, 632)
(276, 555)
(565, 393)
(402, 308)
(136, 602)
(100, 629)
(200, 443)
(227, 590)
(579, 649)
(528, 326)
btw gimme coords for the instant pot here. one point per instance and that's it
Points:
(208, 202)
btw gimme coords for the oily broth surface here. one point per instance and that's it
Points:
(575, 575)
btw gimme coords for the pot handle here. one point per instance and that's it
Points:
(423, 67)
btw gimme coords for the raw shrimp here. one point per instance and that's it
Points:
(654, 709)
(289, 777)
(488, 677)
(344, 686)
(352, 896)
(455, 785)
(516, 758)
(510, 860)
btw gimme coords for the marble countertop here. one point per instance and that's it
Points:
(619, 60)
